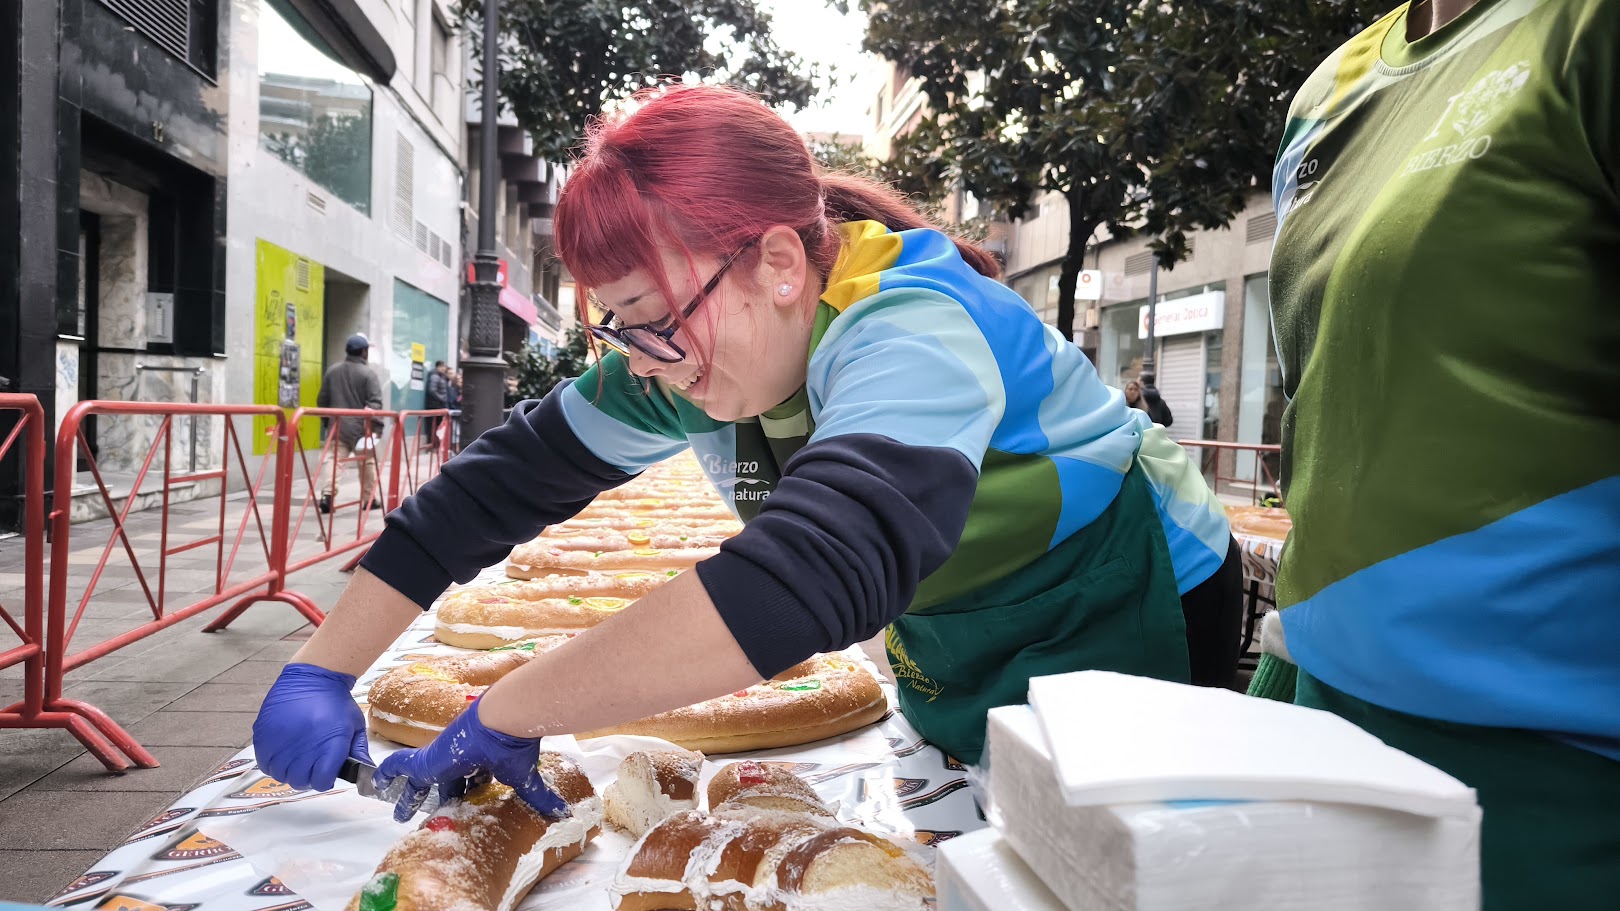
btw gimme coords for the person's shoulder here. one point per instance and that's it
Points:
(1350, 63)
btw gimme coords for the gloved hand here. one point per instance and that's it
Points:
(463, 748)
(307, 726)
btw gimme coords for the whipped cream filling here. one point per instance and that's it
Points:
(505, 632)
(408, 722)
(586, 815)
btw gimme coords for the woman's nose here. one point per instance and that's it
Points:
(642, 365)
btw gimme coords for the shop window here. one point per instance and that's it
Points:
(1119, 351)
(314, 111)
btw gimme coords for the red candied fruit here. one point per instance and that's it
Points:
(439, 824)
(750, 774)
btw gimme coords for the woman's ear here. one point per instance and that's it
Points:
(783, 266)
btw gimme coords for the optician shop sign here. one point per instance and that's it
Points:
(1199, 313)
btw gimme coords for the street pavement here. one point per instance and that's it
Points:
(187, 696)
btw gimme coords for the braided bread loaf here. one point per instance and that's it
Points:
(767, 844)
(487, 850)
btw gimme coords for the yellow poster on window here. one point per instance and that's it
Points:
(289, 304)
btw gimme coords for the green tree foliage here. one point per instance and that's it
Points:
(538, 373)
(911, 170)
(561, 61)
(1145, 116)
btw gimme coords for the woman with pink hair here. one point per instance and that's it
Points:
(912, 449)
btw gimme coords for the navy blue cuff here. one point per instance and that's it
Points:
(839, 547)
(406, 566)
(752, 600)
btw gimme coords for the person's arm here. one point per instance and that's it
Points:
(546, 463)
(536, 469)
(367, 618)
(373, 390)
(871, 506)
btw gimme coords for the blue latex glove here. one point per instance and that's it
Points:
(462, 749)
(307, 726)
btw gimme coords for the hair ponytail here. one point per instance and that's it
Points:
(851, 197)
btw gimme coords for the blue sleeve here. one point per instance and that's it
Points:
(906, 397)
(499, 492)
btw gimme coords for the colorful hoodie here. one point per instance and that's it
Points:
(944, 438)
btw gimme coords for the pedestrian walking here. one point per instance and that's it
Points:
(352, 384)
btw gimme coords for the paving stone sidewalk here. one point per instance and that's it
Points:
(188, 696)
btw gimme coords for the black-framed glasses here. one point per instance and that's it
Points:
(659, 344)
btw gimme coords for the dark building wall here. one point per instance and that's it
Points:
(28, 266)
(152, 121)
(80, 88)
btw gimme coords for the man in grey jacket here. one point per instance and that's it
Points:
(353, 384)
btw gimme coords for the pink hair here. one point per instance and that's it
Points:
(704, 170)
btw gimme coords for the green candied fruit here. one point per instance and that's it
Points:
(575, 599)
(525, 647)
(381, 894)
(804, 686)
(672, 573)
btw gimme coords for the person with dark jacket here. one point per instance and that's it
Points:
(1147, 398)
(352, 384)
(435, 397)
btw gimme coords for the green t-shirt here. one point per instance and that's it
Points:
(1446, 296)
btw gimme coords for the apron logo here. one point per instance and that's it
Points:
(1479, 104)
(1467, 114)
(906, 670)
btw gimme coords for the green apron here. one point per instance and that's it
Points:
(1551, 834)
(1103, 599)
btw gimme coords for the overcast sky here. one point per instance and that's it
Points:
(817, 32)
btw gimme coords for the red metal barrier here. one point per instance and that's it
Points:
(301, 488)
(36, 710)
(1215, 455)
(425, 438)
(267, 585)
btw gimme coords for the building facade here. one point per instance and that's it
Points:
(525, 196)
(347, 166)
(1215, 355)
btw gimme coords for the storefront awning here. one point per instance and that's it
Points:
(520, 306)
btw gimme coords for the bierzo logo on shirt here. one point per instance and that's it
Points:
(1466, 114)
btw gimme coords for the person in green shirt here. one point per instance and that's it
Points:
(1446, 296)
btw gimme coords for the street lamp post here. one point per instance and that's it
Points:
(1153, 305)
(485, 395)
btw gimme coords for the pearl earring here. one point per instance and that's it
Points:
(784, 289)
